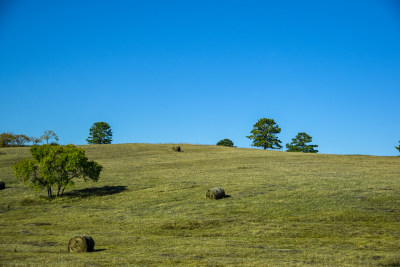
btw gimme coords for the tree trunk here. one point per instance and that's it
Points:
(62, 193)
(49, 193)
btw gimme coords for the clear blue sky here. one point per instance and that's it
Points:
(201, 71)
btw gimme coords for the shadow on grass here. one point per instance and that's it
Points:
(6, 187)
(96, 191)
(98, 250)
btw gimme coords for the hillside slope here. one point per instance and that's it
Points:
(149, 208)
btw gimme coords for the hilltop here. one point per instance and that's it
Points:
(149, 208)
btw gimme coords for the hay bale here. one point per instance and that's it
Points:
(177, 148)
(2, 185)
(215, 193)
(82, 243)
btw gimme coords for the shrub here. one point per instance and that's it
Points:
(225, 142)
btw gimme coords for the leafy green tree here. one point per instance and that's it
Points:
(398, 147)
(100, 133)
(56, 166)
(225, 142)
(300, 144)
(48, 135)
(264, 134)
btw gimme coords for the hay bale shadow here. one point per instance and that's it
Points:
(37, 224)
(96, 191)
(98, 250)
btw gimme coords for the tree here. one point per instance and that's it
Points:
(264, 134)
(35, 140)
(21, 139)
(299, 144)
(7, 139)
(100, 133)
(225, 142)
(398, 147)
(56, 166)
(10, 139)
(48, 135)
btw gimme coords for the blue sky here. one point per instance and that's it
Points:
(201, 71)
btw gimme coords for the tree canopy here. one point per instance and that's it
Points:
(225, 142)
(100, 133)
(10, 139)
(264, 134)
(55, 165)
(300, 144)
(398, 147)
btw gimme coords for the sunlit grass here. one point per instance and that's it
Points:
(149, 208)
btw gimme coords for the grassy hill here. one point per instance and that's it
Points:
(149, 208)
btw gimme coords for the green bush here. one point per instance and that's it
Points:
(225, 142)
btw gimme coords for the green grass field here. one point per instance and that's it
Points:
(149, 208)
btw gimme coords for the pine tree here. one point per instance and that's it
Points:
(264, 134)
(100, 133)
(299, 144)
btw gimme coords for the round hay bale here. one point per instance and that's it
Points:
(2, 185)
(177, 148)
(82, 243)
(215, 193)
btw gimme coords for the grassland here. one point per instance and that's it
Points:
(149, 208)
